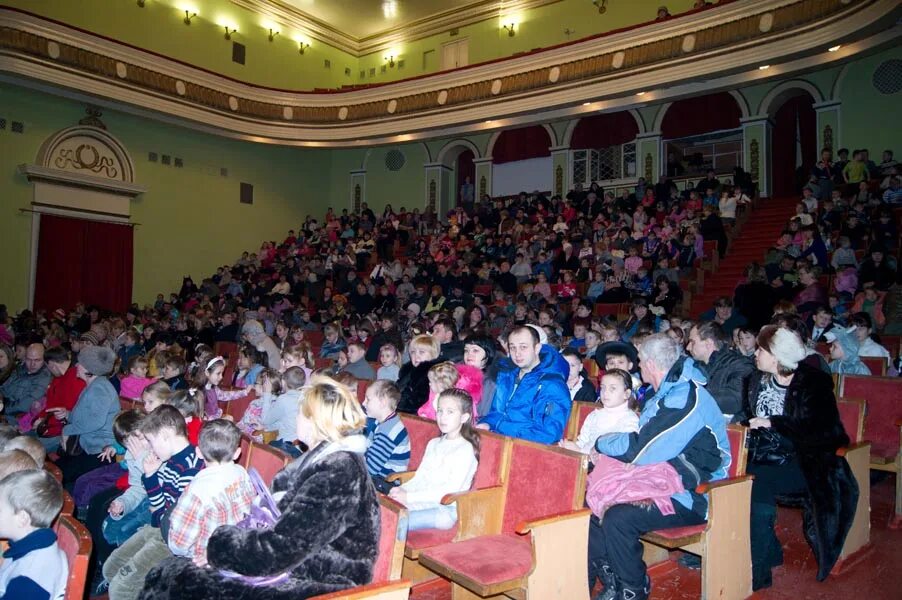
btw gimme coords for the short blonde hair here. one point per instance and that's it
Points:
(31, 446)
(13, 461)
(444, 375)
(428, 342)
(332, 409)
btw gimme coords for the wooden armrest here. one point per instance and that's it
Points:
(852, 447)
(403, 476)
(527, 526)
(269, 436)
(479, 512)
(704, 488)
(368, 591)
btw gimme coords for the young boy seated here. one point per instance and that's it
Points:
(174, 372)
(281, 414)
(12, 461)
(388, 446)
(34, 566)
(593, 340)
(168, 469)
(29, 445)
(580, 327)
(221, 494)
(357, 365)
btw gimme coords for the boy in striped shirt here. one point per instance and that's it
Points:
(388, 446)
(168, 469)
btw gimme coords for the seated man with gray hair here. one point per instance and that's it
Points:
(681, 425)
(253, 332)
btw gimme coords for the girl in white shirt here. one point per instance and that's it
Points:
(448, 466)
(615, 416)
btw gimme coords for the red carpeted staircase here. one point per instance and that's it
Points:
(750, 244)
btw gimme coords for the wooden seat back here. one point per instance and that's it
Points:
(738, 436)
(68, 504)
(126, 403)
(876, 364)
(75, 542)
(851, 413)
(392, 538)
(267, 460)
(53, 470)
(578, 415)
(884, 408)
(237, 407)
(420, 431)
(494, 457)
(245, 444)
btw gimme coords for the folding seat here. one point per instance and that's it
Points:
(877, 365)
(267, 460)
(75, 542)
(126, 403)
(858, 454)
(361, 389)
(722, 542)
(237, 407)
(392, 536)
(420, 431)
(578, 415)
(314, 337)
(245, 445)
(53, 470)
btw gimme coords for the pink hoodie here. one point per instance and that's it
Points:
(469, 380)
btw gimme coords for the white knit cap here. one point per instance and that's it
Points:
(788, 348)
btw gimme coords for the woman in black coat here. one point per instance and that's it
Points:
(755, 299)
(327, 536)
(795, 433)
(413, 379)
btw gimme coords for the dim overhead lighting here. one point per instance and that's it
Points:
(586, 103)
(302, 47)
(640, 93)
(272, 34)
(488, 122)
(763, 67)
(834, 48)
(188, 16)
(511, 32)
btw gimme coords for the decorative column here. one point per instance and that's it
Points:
(483, 183)
(438, 189)
(828, 126)
(649, 160)
(756, 151)
(560, 170)
(357, 189)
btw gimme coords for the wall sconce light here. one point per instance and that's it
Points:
(391, 61)
(141, 3)
(601, 5)
(302, 47)
(510, 29)
(229, 32)
(188, 16)
(272, 35)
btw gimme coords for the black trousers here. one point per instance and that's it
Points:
(615, 540)
(97, 513)
(74, 467)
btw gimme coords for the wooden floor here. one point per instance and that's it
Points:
(878, 576)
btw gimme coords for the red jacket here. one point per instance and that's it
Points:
(63, 392)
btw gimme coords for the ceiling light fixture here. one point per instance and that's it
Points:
(229, 32)
(390, 9)
(510, 29)
(601, 5)
(188, 16)
(391, 61)
(141, 3)
(586, 103)
(763, 67)
(640, 93)
(272, 34)
(302, 47)
(489, 121)
(834, 48)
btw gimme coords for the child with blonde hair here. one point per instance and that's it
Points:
(442, 376)
(266, 388)
(390, 361)
(132, 385)
(280, 415)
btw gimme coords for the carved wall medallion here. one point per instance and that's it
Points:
(482, 186)
(754, 160)
(357, 200)
(559, 180)
(432, 196)
(649, 175)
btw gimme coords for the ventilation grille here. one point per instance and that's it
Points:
(394, 160)
(247, 193)
(17, 127)
(238, 53)
(888, 77)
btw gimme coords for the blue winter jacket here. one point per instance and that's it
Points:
(538, 406)
(681, 425)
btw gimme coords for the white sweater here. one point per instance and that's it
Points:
(448, 467)
(601, 421)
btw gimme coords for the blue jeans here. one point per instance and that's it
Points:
(290, 449)
(116, 532)
(441, 517)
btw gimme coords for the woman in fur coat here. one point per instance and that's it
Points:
(413, 379)
(795, 433)
(327, 536)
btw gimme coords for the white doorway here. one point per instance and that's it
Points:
(455, 54)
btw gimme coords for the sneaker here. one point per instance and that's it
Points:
(690, 561)
(609, 581)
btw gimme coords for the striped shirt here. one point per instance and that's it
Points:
(388, 446)
(166, 485)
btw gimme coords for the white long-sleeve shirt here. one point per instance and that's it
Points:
(448, 467)
(601, 421)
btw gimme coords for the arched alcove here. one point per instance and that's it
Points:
(521, 160)
(794, 140)
(701, 133)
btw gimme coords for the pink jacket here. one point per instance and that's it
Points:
(132, 387)
(469, 380)
(612, 482)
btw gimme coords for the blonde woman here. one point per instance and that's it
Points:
(326, 537)
(413, 379)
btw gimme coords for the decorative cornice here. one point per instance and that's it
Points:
(727, 45)
(47, 174)
(481, 10)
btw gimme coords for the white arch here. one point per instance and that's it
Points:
(456, 143)
(742, 102)
(366, 157)
(571, 126)
(779, 92)
(659, 118)
(837, 83)
(552, 136)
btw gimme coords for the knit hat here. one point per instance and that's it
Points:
(788, 348)
(97, 360)
(60, 314)
(90, 337)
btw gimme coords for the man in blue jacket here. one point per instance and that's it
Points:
(680, 425)
(531, 399)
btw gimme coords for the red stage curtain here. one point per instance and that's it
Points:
(604, 130)
(520, 144)
(795, 118)
(83, 261)
(703, 114)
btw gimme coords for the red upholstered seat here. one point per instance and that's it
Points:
(675, 533)
(75, 542)
(361, 390)
(876, 364)
(237, 407)
(535, 466)
(884, 398)
(491, 451)
(487, 560)
(420, 431)
(427, 538)
(849, 413)
(391, 540)
(267, 460)
(245, 445)
(125, 403)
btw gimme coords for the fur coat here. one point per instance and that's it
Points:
(811, 421)
(327, 536)
(413, 381)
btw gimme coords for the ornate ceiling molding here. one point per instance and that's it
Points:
(727, 46)
(290, 16)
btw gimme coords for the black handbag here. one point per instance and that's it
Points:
(767, 447)
(72, 447)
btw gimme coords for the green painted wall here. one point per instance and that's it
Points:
(191, 219)
(158, 27)
(869, 119)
